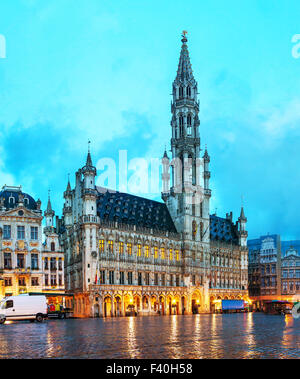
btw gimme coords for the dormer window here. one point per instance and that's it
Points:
(11, 200)
(26, 201)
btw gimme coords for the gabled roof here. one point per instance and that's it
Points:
(134, 210)
(22, 212)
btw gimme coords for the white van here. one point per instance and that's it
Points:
(23, 307)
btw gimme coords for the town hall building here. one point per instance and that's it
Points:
(126, 254)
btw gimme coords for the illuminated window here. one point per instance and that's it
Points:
(155, 252)
(171, 255)
(139, 252)
(162, 253)
(110, 246)
(147, 251)
(194, 229)
(101, 246)
(129, 248)
(177, 255)
(121, 247)
(102, 277)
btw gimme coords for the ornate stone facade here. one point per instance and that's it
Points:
(126, 254)
(23, 253)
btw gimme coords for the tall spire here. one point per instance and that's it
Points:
(242, 216)
(165, 153)
(184, 71)
(89, 168)
(68, 185)
(206, 157)
(89, 162)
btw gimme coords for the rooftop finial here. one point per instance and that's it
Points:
(184, 71)
(49, 206)
(89, 159)
(165, 153)
(184, 39)
(242, 216)
(68, 185)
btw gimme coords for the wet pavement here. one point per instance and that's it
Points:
(245, 335)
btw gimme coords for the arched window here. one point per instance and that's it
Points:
(189, 124)
(201, 231)
(52, 246)
(188, 91)
(180, 126)
(194, 229)
(180, 92)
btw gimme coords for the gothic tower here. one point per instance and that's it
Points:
(188, 197)
(49, 215)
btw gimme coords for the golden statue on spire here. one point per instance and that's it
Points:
(184, 39)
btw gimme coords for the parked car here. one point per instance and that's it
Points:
(58, 311)
(23, 307)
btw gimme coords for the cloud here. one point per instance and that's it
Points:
(282, 120)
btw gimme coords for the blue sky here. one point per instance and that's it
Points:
(103, 70)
